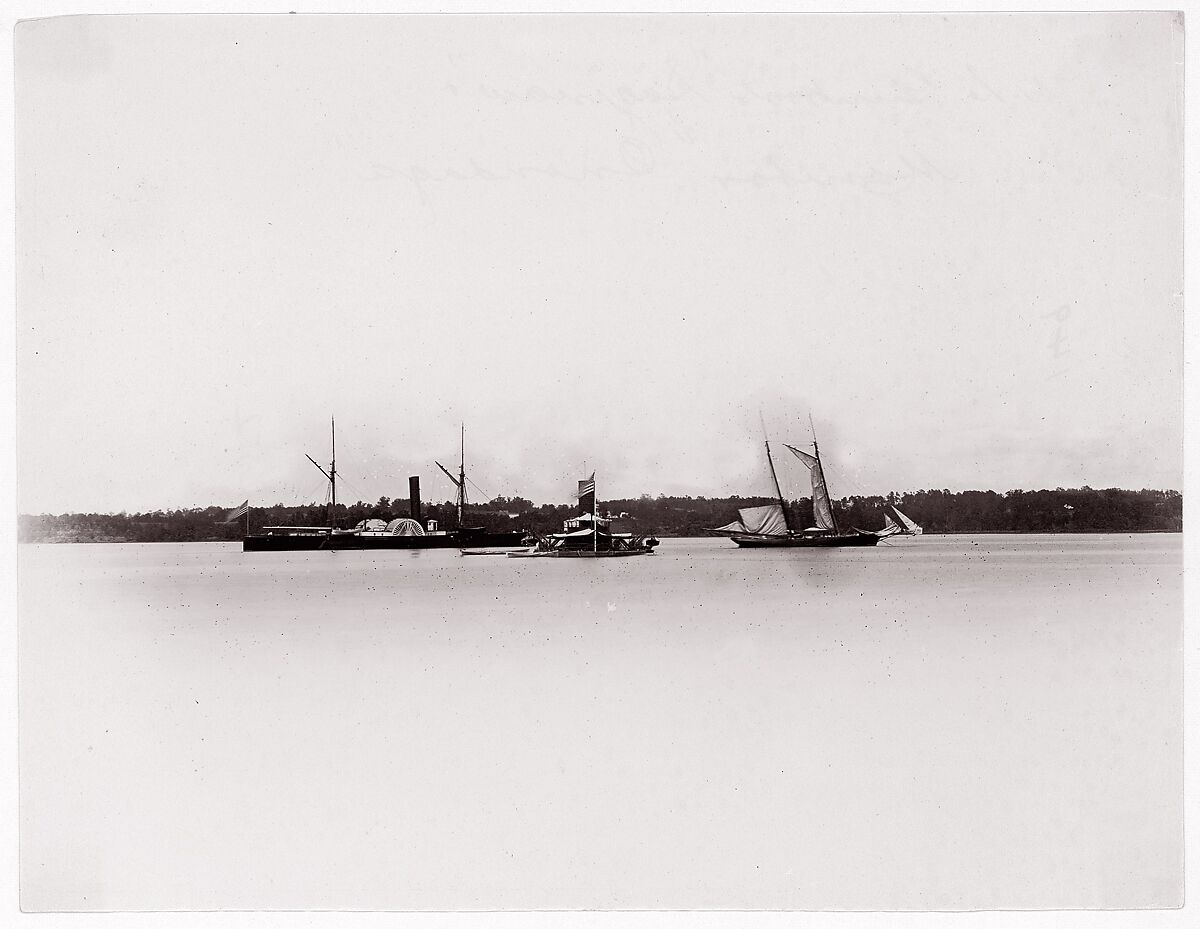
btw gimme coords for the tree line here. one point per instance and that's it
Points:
(1060, 510)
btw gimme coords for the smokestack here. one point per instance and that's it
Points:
(414, 497)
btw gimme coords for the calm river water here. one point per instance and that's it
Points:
(943, 722)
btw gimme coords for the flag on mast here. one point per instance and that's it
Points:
(237, 511)
(587, 495)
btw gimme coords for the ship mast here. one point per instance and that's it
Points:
(821, 470)
(461, 481)
(331, 474)
(787, 523)
(462, 471)
(779, 493)
(332, 471)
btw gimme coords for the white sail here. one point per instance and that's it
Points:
(910, 528)
(822, 509)
(764, 520)
(889, 524)
(757, 520)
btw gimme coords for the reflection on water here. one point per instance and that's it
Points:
(962, 721)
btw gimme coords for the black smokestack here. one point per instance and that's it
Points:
(414, 497)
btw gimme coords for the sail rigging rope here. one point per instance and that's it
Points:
(315, 492)
(353, 487)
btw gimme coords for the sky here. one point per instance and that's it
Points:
(615, 244)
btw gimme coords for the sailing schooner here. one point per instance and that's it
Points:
(769, 527)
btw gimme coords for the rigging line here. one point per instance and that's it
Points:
(314, 493)
(480, 489)
(352, 451)
(355, 488)
(357, 477)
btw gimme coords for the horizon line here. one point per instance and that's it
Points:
(1082, 489)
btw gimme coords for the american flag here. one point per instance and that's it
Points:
(237, 511)
(588, 486)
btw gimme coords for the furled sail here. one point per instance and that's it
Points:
(757, 520)
(822, 509)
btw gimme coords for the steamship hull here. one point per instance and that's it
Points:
(369, 535)
(349, 541)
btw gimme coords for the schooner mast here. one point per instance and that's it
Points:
(774, 477)
(778, 493)
(823, 514)
(821, 471)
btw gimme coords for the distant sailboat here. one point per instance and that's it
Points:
(896, 523)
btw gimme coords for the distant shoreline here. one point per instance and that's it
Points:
(1082, 510)
(662, 535)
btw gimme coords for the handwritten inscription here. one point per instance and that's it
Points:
(1058, 344)
(715, 127)
(632, 158)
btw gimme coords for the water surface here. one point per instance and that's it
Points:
(943, 722)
